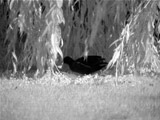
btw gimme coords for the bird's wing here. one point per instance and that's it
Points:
(91, 60)
(80, 68)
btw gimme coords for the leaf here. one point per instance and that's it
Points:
(114, 59)
(14, 62)
(14, 56)
(59, 3)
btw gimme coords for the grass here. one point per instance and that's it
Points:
(69, 97)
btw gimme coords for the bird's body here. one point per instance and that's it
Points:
(86, 66)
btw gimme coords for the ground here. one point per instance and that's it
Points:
(69, 97)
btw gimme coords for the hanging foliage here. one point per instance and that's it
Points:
(136, 50)
(131, 27)
(92, 25)
(39, 21)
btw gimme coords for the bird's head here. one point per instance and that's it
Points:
(68, 60)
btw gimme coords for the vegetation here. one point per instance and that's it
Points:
(139, 40)
(31, 33)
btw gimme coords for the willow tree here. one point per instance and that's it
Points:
(33, 35)
(138, 50)
(125, 32)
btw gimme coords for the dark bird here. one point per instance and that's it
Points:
(86, 66)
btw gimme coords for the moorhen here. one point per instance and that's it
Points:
(86, 66)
